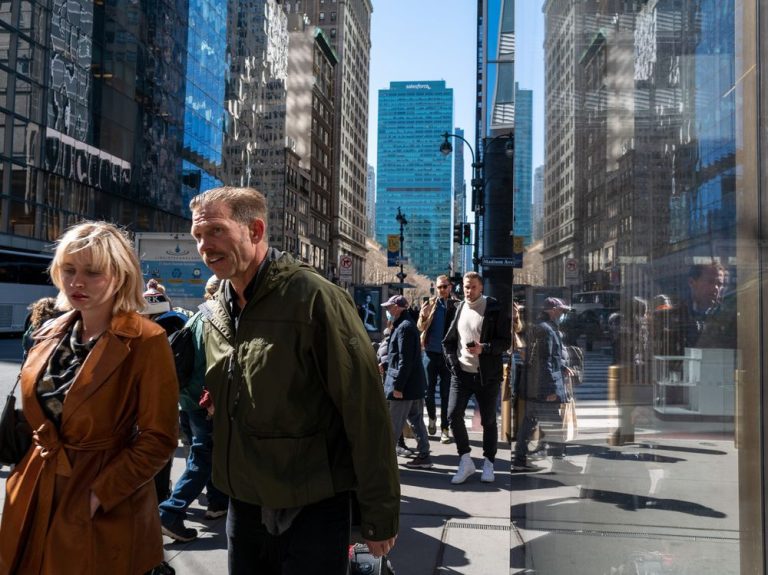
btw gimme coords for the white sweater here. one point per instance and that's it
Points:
(469, 326)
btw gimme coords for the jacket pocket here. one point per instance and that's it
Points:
(290, 471)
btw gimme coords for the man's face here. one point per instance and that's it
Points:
(394, 311)
(473, 289)
(227, 247)
(556, 313)
(705, 290)
(443, 288)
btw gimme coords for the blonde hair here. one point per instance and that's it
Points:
(245, 204)
(473, 276)
(111, 251)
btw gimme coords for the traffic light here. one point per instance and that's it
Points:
(466, 235)
(457, 233)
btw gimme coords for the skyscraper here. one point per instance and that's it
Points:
(310, 116)
(563, 46)
(348, 25)
(538, 203)
(204, 112)
(370, 202)
(412, 174)
(256, 100)
(523, 163)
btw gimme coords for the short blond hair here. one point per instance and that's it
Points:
(111, 251)
(473, 276)
(245, 204)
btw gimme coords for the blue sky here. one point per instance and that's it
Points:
(436, 40)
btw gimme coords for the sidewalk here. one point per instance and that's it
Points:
(444, 528)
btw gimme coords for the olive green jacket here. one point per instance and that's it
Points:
(300, 412)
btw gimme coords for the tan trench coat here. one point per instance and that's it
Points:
(119, 426)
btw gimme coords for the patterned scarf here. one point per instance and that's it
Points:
(63, 367)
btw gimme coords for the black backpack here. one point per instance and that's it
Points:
(183, 347)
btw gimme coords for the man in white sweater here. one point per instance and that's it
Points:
(474, 346)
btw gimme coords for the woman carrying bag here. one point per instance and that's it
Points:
(99, 391)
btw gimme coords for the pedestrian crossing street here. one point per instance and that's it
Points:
(596, 413)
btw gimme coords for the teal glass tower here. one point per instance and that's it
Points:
(413, 175)
(523, 163)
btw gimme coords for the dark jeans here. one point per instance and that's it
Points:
(437, 370)
(197, 474)
(546, 414)
(316, 543)
(463, 386)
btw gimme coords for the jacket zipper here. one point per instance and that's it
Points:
(231, 416)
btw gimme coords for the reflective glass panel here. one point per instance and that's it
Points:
(637, 391)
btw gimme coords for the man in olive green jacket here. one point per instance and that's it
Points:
(300, 418)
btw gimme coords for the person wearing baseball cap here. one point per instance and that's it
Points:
(545, 389)
(405, 383)
(556, 304)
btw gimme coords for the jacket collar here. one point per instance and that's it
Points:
(105, 357)
(123, 324)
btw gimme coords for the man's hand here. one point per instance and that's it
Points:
(379, 548)
(476, 349)
(552, 397)
(381, 368)
(397, 394)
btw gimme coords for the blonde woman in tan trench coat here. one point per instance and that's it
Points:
(99, 388)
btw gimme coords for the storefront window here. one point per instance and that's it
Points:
(650, 233)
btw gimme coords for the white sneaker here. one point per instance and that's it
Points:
(445, 436)
(487, 476)
(466, 469)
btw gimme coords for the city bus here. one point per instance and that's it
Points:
(23, 279)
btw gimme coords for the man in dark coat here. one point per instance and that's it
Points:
(478, 337)
(404, 381)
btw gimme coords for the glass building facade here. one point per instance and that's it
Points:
(204, 112)
(522, 221)
(654, 220)
(412, 173)
(91, 116)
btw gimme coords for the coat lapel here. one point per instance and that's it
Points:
(105, 357)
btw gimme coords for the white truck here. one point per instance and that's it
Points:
(173, 260)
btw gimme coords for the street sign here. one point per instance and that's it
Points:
(393, 250)
(515, 261)
(571, 271)
(345, 268)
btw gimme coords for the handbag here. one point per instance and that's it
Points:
(15, 432)
(570, 423)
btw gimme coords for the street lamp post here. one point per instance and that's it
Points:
(400, 217)
(477, 191)
(497, 222)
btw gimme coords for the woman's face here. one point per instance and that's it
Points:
(88, 290)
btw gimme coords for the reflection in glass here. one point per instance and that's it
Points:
(644, 199)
